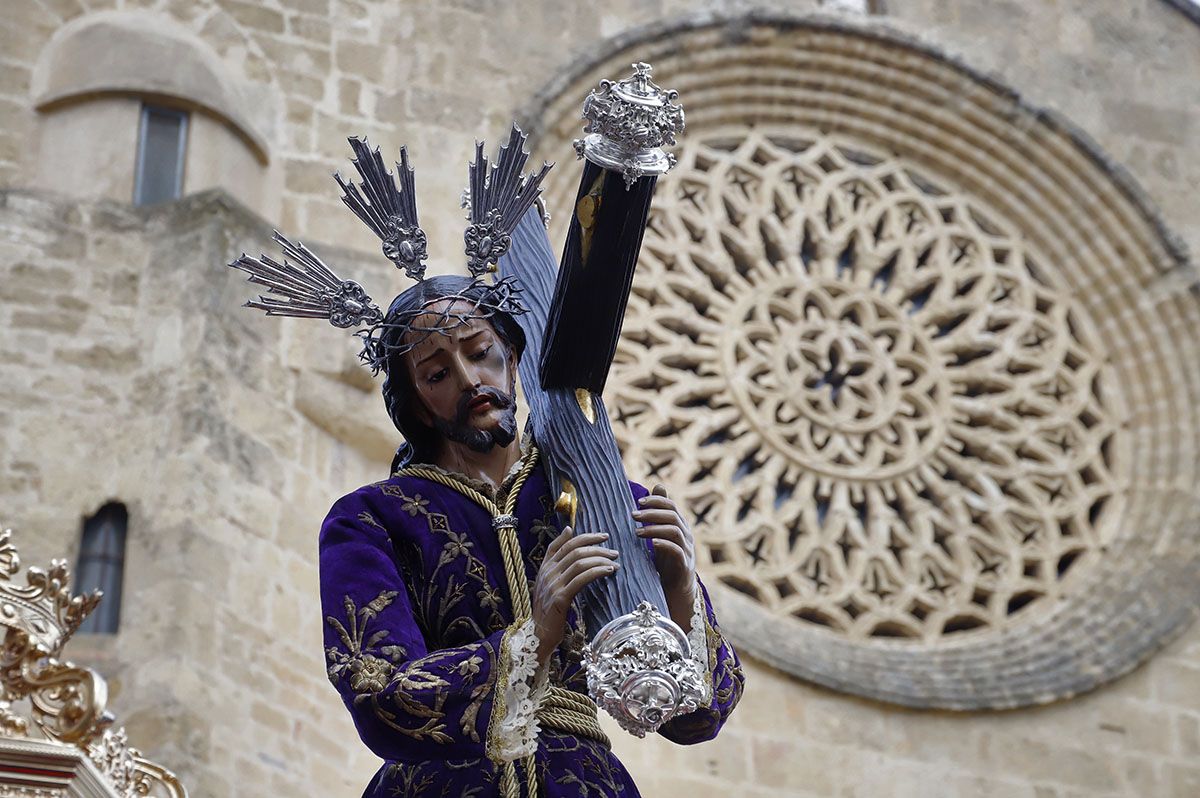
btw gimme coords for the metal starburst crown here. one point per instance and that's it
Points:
(498, 196)
(628, 124)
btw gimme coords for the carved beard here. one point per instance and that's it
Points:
(481, 440)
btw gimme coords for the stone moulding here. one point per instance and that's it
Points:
(919, 359)
(115, 53)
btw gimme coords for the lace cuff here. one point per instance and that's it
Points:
(520, 688)
(697, 638)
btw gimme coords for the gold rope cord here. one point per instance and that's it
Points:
(562, 709)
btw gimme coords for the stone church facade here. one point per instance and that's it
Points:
(912, 338)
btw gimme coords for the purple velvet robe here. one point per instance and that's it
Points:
(416, 604)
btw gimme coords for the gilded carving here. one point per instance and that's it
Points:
(67, 702)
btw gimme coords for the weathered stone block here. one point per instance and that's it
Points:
(360, 60)
(1178, 684)
(254, 16)
(1184, 780)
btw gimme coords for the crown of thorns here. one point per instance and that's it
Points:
(497, 197)
(398, 335)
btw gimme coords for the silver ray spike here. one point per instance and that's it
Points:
(390, 212)
(307, 288)
(499, 196)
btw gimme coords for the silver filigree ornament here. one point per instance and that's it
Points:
(405, 246)
(497, 196)
(640, 671)
(387, 207)
(627, 125)
(307, 288)
(485, 243)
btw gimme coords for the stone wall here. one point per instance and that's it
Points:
(319, 70)
(130, 373)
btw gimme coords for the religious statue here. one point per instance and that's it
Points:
(480, 597)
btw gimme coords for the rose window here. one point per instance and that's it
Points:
(917, 360)
(886, 420)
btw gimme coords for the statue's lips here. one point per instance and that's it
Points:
(479, 403)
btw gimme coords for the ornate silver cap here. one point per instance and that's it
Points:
(640, 671)
(627, 125)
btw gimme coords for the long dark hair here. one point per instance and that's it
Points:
(420, 440)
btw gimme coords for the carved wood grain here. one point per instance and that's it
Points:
(586, 454)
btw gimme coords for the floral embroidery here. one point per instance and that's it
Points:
(728, 677)
(369, 520)
(414, 505)
(489, 597)
(457, 546)
(388, 489)
(435, 596)
(469, 667)
(370, 674)
(413, 688)
(365, 670)
(410, 780)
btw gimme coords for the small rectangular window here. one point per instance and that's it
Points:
(162, 145)
(101, 566)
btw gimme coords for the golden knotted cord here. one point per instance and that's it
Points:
(562, 709)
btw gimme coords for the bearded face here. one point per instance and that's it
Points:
(465, 381)
(462, 428)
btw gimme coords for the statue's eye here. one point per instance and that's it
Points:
(437, 376)
(482, 353)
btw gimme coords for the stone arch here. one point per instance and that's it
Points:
(877, 293)
(114, 53)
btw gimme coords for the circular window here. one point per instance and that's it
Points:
(909, 353)
(888, 421)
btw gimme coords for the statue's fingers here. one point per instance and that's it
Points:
(667, 548)
(579, 541)
(558, 542)
(658, 516)
(668, 532)
(657, 502)
(585, 563)
(586, 553)
(585, 578)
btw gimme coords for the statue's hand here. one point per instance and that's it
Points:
(572, 562)
(674, 552)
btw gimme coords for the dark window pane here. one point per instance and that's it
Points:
(102, 566)
(160, 155)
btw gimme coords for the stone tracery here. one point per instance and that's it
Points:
(915, 355)
(899, 425)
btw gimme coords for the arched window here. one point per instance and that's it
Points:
(101, 565)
